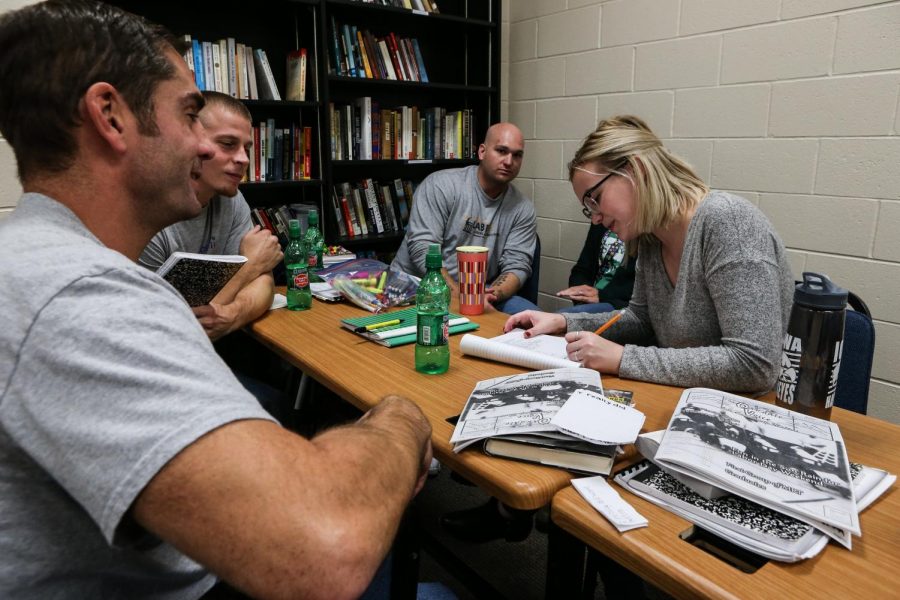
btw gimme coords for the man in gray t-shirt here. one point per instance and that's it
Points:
(477, 206)
(223, 225)
(132, 463)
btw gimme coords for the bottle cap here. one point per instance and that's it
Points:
(313, 217)
(817, 291)
(433, 258)
(294, 228)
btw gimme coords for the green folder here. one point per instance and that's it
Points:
(391, 336)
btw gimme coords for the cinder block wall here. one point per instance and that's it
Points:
(791, 103)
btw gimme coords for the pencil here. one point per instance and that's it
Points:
(376, 325)
(609, 323)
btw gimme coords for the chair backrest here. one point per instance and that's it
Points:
(856, 362)
(529, 289)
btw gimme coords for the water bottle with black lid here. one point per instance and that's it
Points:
(811, 349)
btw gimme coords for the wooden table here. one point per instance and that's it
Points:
(657, 554)
(362, 372)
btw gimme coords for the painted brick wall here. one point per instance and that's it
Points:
(790, 103)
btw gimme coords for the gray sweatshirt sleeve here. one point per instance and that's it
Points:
(430, 213)
(518, 249)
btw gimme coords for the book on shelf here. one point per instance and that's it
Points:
(199, 277)
(243, 70)
(402, 205)
(253, 91)
(401, 333)
(364, 110)
(791, 463)
(267, 88)
(536, 352)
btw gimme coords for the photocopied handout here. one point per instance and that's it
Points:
(537, 352)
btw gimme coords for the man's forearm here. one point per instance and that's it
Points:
(505, 286)
(254, 300)
(289, 517)
(247, 274)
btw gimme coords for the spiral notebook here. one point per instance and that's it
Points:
(403, 332)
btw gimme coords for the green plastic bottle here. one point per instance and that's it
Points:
(299, 296)
(315, 245)
(433, 317)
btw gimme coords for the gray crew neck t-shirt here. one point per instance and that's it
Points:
(105, 376)
(218, 229)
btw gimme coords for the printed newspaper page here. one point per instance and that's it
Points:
(517, 404)
(782, 459)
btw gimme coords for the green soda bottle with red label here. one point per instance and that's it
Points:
(299, 296)
(433, 317)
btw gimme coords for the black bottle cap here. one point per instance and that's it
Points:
(817, 291)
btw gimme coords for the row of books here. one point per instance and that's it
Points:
(233, 68)
(357, 53)
(276, 219)
(429, 6)
(368, 207)
(365, 131)
(280, 153)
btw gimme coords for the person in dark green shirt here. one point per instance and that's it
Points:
(603, 277)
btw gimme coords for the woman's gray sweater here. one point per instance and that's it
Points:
(722, 324)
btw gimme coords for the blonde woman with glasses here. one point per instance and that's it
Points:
(713, 288)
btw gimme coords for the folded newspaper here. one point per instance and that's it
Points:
(783, 460)
(562, 404)
(517, 404)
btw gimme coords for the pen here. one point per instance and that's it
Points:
(609, 323)
(376, 325)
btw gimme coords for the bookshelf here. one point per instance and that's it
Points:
(278, 28)
(459, 49)
(460, 52)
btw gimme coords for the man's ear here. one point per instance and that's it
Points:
(105, 111)
(481, 151)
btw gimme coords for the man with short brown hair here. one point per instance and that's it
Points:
(133, 463)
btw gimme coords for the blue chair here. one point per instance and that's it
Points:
(856, 360)
(529, 289)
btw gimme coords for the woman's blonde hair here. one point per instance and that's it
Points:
(665, 186)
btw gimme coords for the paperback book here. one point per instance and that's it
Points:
(401, 332)
(199, 277)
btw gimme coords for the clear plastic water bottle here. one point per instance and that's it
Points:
(433, 317)
(315, 244)
(299, 296)
(812, 347)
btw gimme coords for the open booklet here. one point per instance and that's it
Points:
(789, 462)
(741, 521)
(199, 277)
(538, 352)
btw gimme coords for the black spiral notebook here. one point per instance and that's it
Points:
(199, 277)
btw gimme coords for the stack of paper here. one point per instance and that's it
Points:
(557, 417)
(772, 481)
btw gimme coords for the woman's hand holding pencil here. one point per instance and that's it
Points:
(594, 352)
